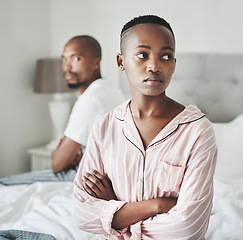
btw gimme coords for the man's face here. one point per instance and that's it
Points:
(148, 56)
(78, 64)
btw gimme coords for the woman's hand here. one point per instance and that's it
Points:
(98, 186)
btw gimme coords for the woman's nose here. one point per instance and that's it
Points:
(154, 66)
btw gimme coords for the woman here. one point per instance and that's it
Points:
(147, 172)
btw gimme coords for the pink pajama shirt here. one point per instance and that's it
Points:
(179, 162)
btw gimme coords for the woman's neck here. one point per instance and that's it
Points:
(146, 106)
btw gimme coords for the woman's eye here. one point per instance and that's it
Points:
(142, 55)
(64, 60)
(166, 57)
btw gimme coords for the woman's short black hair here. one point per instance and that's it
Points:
(147, 19)
(153, 19)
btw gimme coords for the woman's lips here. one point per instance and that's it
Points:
(153, 80)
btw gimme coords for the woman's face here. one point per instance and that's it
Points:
(148, 56)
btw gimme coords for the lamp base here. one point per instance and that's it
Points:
(59, 112)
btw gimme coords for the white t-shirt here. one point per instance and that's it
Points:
(99, 98)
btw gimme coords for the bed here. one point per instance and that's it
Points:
(215, 84)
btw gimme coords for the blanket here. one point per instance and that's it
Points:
(46, 175)
(24, 235)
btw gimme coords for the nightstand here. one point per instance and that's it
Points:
(40, 158)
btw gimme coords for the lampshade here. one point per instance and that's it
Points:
(49, 77)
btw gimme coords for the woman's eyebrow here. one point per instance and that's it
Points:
(162, 48)
(143, 46)
(167, 48)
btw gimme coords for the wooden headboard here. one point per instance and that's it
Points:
(213, 82)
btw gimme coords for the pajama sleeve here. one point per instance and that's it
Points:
(94, 215)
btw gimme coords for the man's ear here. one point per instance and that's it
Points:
(119, 60)
(97, 63)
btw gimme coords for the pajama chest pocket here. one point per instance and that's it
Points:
(170, 177)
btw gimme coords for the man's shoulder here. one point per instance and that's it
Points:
(99, 84)
(106, 93)
(103, 85)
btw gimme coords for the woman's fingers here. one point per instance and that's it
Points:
(97, 185)
(89, 190)
(103, 180)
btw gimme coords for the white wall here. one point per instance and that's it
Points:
(34, 29)
(203, 26)
(24, 119)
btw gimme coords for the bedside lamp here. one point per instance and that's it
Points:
(49, 79)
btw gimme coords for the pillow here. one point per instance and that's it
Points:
(229, 139)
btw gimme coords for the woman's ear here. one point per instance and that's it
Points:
(175, 64)
(119, 59)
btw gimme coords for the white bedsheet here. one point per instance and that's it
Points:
(48, 208)
(226, 221)
(40, 207)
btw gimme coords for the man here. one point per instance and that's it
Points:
(151, 178)
(81, 66)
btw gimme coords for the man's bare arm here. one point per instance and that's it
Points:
(99, 186)
(66, 154)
